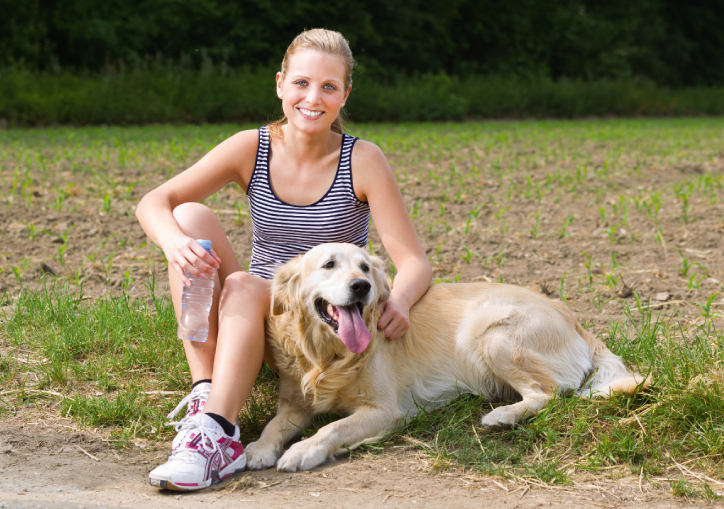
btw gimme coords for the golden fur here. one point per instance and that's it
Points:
(498, 340)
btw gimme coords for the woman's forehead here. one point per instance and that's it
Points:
(311, 63)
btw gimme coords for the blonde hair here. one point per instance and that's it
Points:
(324, 41)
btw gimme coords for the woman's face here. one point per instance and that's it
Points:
(312, 92)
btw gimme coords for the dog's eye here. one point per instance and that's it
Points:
(329, 265)
(365, 267)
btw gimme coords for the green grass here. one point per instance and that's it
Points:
(108, 357)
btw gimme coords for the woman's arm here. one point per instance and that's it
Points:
(230, 161)
(376, 184)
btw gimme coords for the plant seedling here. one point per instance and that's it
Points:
(560, 287)
(32, 232)
(563, 230)
(706, 311)
(468, 256)
(534, 231)
(611, 232)
(694, 281)
(106, 208)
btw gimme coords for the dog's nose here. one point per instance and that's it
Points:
(359, 287)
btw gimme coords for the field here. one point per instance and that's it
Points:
(620, 219)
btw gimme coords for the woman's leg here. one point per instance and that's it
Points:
(243, 306)
(200, 222)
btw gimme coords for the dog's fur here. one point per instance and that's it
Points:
(498, 340)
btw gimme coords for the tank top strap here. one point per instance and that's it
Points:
(344, 171)
(261, 165)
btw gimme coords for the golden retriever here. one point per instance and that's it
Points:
(498, 340)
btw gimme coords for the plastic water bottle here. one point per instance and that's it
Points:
(196, 304)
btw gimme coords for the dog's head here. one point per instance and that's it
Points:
(337, 286)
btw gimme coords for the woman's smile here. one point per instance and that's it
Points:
(310, 114)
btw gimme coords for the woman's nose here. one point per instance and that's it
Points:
(312, 96)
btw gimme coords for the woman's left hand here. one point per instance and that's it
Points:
(395, 318)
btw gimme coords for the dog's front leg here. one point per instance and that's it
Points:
(366, 424)
(292, 416)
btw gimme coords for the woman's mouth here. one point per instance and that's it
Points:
(310, 114)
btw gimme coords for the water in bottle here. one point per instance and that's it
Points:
(193, 324)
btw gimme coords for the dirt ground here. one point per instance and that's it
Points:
(53, 463)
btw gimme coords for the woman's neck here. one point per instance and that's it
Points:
(303, 146)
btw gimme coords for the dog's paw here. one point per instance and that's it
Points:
(304, 455)
(501, 418)
(260, 456)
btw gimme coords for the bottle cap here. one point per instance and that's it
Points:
(206, 244)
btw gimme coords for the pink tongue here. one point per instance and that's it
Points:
(352, 329)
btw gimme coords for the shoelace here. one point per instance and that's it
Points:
(187, 425)
(204, 393)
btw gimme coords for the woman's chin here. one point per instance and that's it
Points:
(310, 126)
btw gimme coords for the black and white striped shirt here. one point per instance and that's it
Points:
(283, 231)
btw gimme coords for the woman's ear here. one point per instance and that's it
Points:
(382, 282)
(280, 80)
(285, 287)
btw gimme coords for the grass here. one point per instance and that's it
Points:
(583, 208)
(112, 359)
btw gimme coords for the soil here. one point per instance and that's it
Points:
(47, 461)
(52, 464)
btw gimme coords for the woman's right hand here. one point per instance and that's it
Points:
(185, 254)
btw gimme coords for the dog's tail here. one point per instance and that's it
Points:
(609, 374)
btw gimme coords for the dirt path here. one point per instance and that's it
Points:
(54, 465)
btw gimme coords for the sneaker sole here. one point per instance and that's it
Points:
(168, 485)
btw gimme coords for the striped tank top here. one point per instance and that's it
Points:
(282, 231)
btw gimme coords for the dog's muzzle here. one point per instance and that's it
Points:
(347, 320)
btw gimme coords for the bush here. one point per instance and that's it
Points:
(177, 94)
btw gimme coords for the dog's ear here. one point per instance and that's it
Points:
(285, 286)
(382, 282)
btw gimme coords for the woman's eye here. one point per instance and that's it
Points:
(301, 83)
(330, 87)
(365, 268)
(329, 265)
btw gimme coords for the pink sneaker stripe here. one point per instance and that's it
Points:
(237, 448)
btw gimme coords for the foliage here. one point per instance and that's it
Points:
(667, 41)
(168, 93)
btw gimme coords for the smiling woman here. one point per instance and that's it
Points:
(308, 183)
(311, 97)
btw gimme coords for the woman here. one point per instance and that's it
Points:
(307, 183)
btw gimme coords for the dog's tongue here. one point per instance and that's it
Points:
(352, 329)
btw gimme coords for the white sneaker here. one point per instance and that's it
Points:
(195, 400)
(206, 456)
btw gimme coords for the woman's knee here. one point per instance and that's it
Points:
(192, 215)
(243, 288)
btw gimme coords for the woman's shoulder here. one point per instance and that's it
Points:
(246, 137)
(370, 169)
(367, 152)
(369, 156)
(241, 145)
